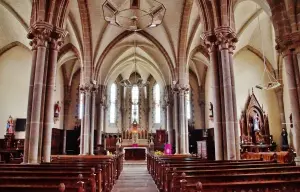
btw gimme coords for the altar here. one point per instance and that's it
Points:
(135, 153)
(134, 143)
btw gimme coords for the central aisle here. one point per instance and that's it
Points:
(135, 178)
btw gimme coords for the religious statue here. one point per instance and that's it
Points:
(56, 111)
(284, 140)
(211, 108)
(291, 120)
(10, 125)
(151, 140)
(256, 122)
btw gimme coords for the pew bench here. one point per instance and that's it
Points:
(240, 178)
(249, 186)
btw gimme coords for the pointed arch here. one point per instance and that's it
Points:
(12, 45)
(126, 34)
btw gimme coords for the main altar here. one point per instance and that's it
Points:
(134, 142)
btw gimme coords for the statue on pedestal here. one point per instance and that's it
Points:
(10, 125)
(56, 111)
(284, 140)
(256, 123)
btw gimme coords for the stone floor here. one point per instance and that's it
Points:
(135, 178)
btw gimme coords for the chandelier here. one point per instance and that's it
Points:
(272, 83)
(138, 82)
(133, 15)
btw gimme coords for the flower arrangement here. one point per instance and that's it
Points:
(158, 153)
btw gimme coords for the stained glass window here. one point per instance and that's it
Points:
(188, 105)
(80, 105)
(135, 103)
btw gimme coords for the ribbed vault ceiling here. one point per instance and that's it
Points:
(157, 48)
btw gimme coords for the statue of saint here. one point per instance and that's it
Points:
(256, 123)
(284, 139)
(10, 125)
(56, 109)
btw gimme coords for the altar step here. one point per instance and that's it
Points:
(135, 178)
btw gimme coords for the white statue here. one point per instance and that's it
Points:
(256, 123)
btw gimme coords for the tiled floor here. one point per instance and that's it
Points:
(135, 178)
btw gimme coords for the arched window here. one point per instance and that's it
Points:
(113, 98)
(156, 98)
(188, 104)
(135, 103)
(80, 105)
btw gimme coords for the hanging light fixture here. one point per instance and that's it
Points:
(138, 82)
(272, 80)
(133, 15)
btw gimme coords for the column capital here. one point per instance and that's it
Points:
(42, 32)
(223, 37)
(287, 43)
(57, 38)
(226, 38)
(88, 88)
(180, 88)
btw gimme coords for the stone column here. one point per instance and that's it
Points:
(100, 126)
(82, 130)
(87, 119)
(294, 99)
(223, 40)
(279, 95)
(218, 129)
(93, 119)
(29, 107)
(169, 128)
(186, 128)
(49, 99)
(182, 120)
(41, 41)
(296, 58)
(175, 121)
(235, 119)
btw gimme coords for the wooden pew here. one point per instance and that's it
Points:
(167, 172)
(232, 178)
(251, 186)
(34, 177)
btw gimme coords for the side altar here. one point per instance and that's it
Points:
(135, 143)
(254, 128)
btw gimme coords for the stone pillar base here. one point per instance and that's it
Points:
(297, 160)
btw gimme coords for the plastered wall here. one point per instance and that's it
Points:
(248, 70)
(74, 105)
(15, 67)
(59, 96)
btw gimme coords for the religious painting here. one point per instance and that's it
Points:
(160, 136)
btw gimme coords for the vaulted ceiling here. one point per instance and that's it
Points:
(157, 49)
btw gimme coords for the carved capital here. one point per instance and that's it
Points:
(40, 33)
(225, 38)
(55, 44)
(180, 88)
(57, 37)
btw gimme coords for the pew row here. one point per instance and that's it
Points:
(97, 173)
